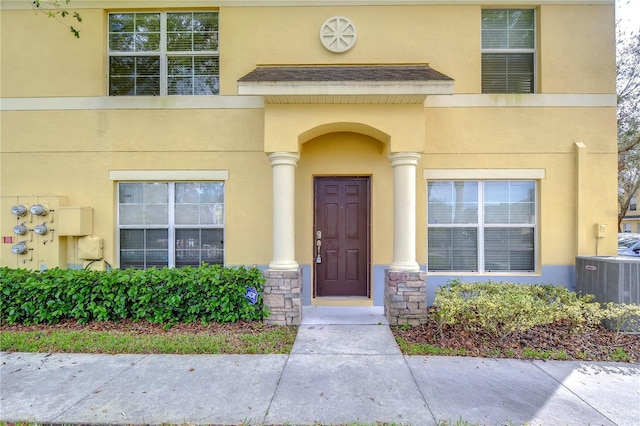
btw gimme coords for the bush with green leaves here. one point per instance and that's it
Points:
(622, 316)
(501, 308)
(162, 296)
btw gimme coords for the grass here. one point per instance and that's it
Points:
(545, 354)
(620, 355)
(277, 340)
(427, 349)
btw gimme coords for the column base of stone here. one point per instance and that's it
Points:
(405, 297)
(283, 296)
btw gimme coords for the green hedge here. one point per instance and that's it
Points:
(502, 308)
(163, 296)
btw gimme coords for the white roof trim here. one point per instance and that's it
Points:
(344, 88)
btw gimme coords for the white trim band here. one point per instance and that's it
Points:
(521, 100)
(475, 174)
(257, 102)
(131, 102)
(168, 175)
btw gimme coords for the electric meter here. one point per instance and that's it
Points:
(20, 229)
(41, 229)
(20, 248)
(39, 210)
(19, 210)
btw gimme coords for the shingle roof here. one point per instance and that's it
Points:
(333, 73)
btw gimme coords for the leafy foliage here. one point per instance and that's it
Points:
(501, 308)
(628, 97)
(622, 316)
(161, 296)
(54, 9)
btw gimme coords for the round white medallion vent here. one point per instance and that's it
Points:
(338, 34)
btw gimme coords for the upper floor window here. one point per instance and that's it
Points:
(633, 204)
(163, 53)
(508, 50)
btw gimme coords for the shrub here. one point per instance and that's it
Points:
(501, 308)
(622, 316)
(168, 295)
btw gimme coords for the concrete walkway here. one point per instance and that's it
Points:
(345, 368)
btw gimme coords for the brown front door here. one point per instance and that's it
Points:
(341, 231)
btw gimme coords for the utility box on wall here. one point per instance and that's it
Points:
(30, 238)
(90, 248)
(75, 221)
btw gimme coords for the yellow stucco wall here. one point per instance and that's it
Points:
(290, 35)
(50, 62)
(69, 150)
(72, 152)
(287, 126)
(574, 39)
(40, 57)
(350, 154)
(496, 131)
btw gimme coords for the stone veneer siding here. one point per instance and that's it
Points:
(405, 297)
(283, 297)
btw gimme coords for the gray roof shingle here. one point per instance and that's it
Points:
(327, 73)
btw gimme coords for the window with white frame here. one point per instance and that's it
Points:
(170, 224)
(163, 53)
(633, 203)
(508, 50)
(481, 226)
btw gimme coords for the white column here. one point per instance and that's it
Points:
(404, 211)
(284, 174)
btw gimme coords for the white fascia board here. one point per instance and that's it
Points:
(476, 174)
(138, 4)
(342, 88)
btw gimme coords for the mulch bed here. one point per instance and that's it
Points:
(144, 327)
(593, 343)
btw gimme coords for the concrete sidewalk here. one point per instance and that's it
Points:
(345, 368)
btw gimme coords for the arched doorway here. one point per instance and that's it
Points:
(343, 182)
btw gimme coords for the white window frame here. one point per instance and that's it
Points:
(171, 226)
(144, 176)
(162, 53)
(480, 225)
(533, 50)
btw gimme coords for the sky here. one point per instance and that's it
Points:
(628, 11)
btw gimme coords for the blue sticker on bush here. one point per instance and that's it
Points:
(252, 295)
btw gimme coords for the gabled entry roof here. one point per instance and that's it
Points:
(345, 84)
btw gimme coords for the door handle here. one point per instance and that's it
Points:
(318, 245)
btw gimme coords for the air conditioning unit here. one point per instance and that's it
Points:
(609, 278)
